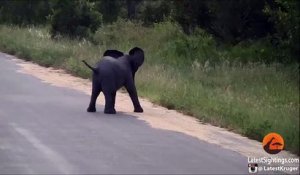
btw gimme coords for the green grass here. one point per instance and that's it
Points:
(186, 73)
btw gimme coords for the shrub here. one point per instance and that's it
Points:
(75, 19)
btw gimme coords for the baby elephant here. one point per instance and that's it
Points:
(110, 74)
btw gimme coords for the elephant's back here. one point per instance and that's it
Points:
(112, 68)
(109, 64)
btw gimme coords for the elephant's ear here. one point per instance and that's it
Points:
(136, 57)
(113, 53)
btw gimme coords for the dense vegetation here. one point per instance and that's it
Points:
(230, 22)
(232, 63)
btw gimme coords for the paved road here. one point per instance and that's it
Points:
(45, 129)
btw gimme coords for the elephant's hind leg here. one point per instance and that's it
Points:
(110, 98)
(95, 93)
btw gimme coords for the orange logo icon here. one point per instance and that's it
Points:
(273, 143)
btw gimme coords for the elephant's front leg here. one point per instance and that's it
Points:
(95, 93)
(110, 98)
(130, 87)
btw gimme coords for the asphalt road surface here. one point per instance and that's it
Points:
(46, 129)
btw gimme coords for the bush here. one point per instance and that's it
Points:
(25, 12)
(285, 15)
(75, 19)
(151, 12)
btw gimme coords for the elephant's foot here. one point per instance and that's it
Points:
(139, 109)
(109, 111)
(91, 109)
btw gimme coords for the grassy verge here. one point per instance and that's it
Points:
(186, 73)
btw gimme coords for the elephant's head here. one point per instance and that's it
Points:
(136, 59)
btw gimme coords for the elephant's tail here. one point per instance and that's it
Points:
(92, 68)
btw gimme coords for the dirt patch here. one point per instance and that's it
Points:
(156, 116)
